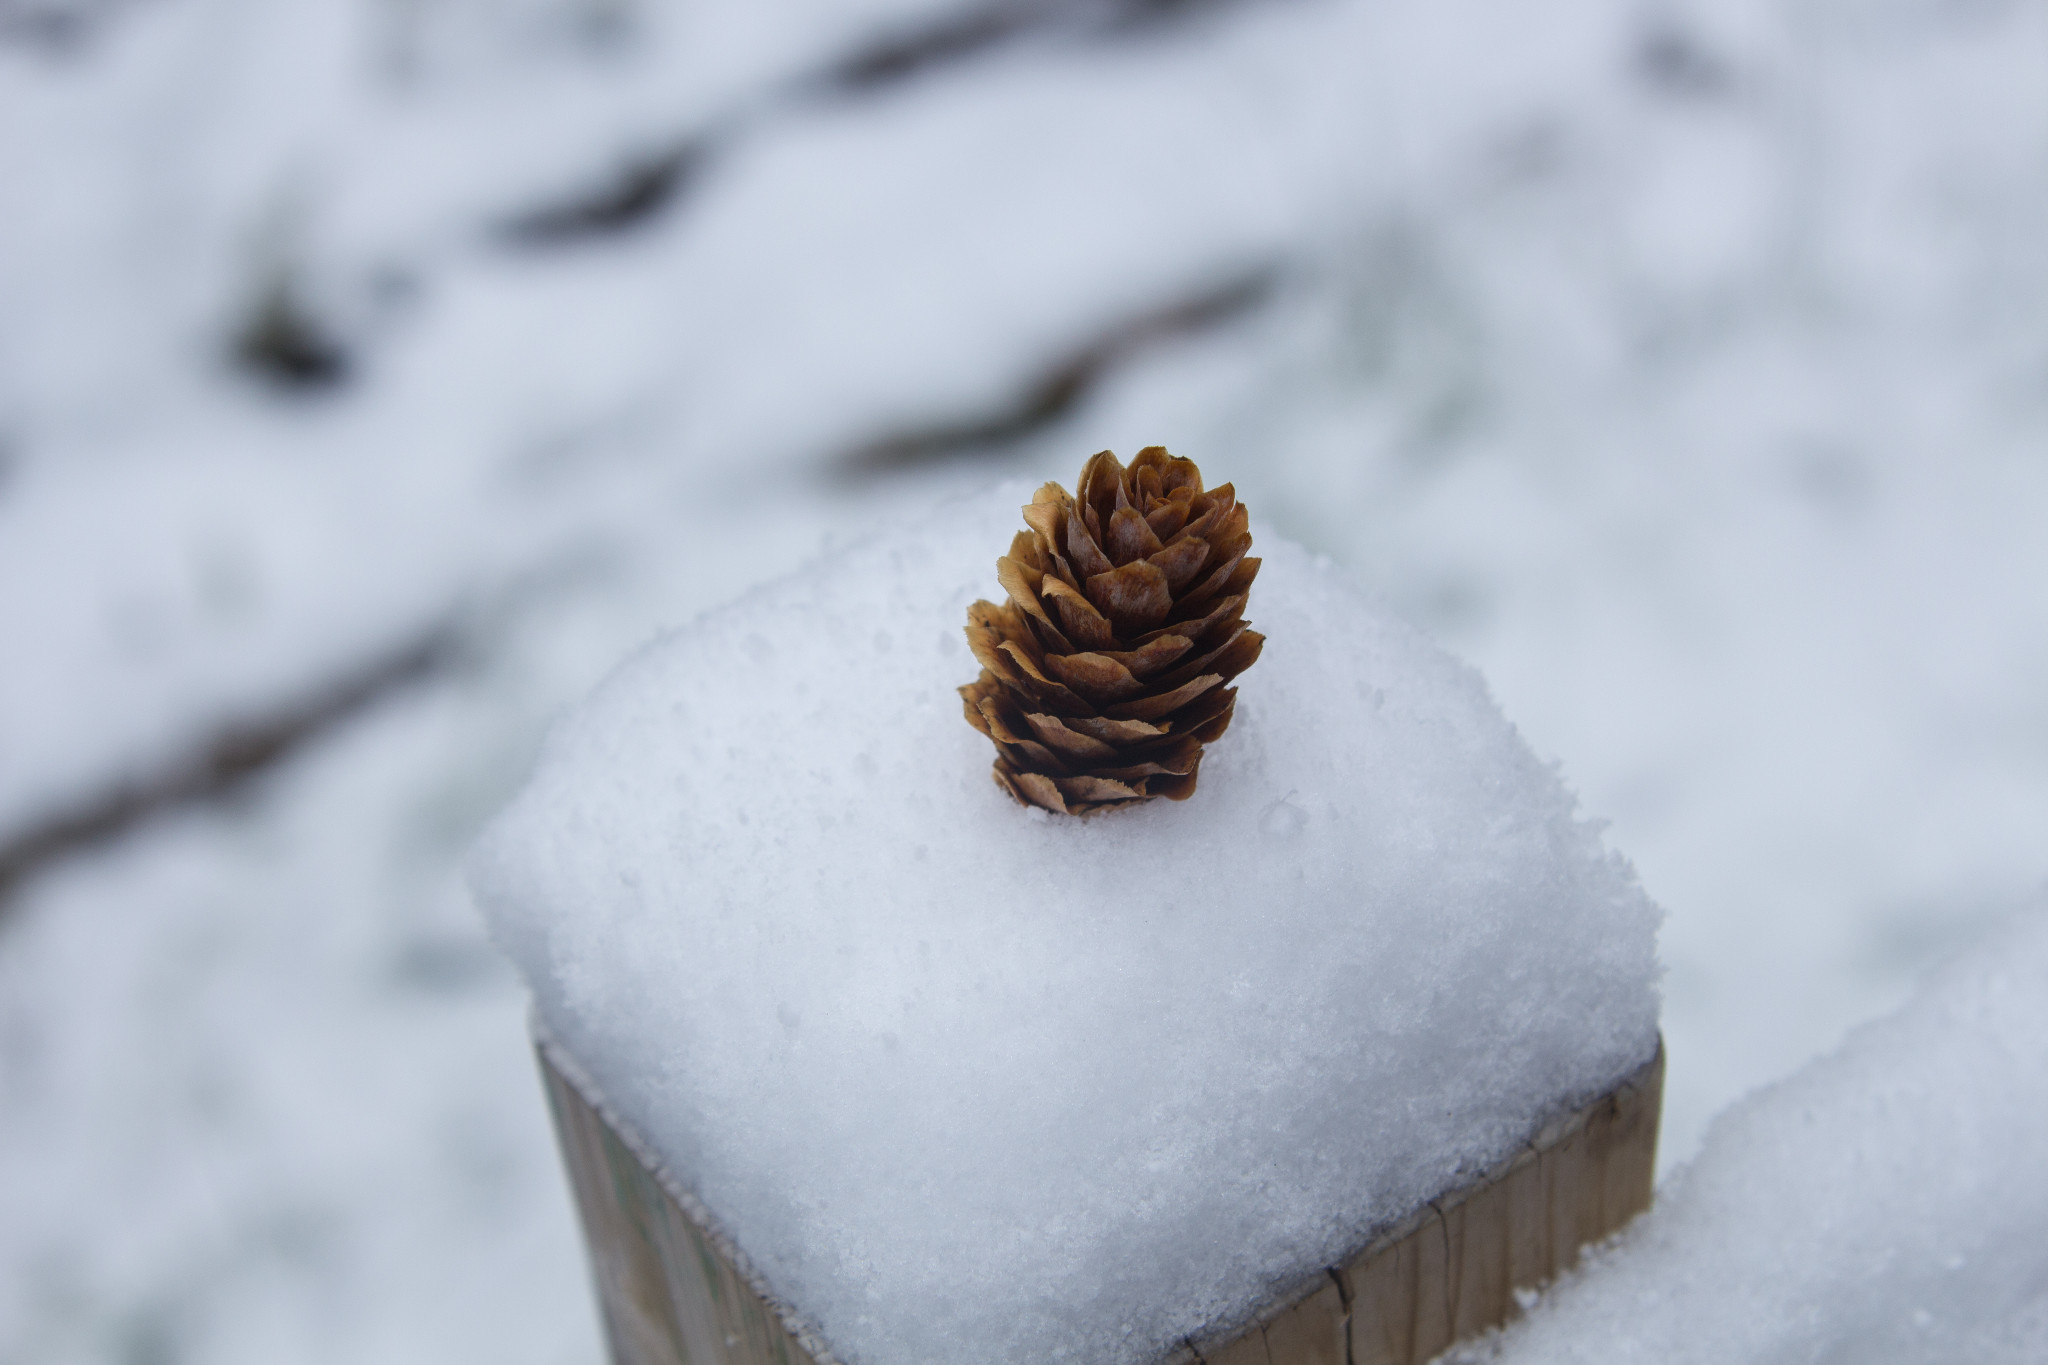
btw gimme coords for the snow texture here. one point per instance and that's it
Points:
(969, 1082)
(1885, 1205)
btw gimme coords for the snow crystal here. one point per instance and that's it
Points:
(970, 1084)
(1885, 1204)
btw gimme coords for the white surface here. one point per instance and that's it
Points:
(971, 1082)
(1885, 1204)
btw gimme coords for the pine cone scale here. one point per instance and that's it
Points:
(1130, 537)
(1156, 653)
(1243, 640)
(1056, 734)
(1234, 577)
(1180, 561)
(1114, 732)
(1082, 550)
(1096, 789)
(1165, 703)
(1134, 597)
(1021, 582)
(1201, 628)
(1096, 677)
(1103, 674)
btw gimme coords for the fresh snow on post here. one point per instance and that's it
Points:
(968, 1082)
(1887, 1204)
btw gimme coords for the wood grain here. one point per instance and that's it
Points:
(670, 1288)
(674, 1291)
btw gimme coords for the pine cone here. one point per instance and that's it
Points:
(1104, 674)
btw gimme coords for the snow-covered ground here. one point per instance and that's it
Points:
(1684, 367)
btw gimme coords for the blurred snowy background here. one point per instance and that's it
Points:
(373, 373)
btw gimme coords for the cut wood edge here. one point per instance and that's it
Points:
(675, 1289)
(1452, 1268)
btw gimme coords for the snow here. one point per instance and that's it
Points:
(965, 1081)
(1884, 1203)
(221, 1143)
(1678, 366)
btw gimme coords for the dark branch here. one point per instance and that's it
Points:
(911, 52)
(637, 194)
(220, 766)
(1676, 63)
(906, 53)
(57, 29)
(643, 189)
(1063, 386)
(284, 344)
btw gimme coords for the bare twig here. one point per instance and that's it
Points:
(219, 766)
(1062, 386)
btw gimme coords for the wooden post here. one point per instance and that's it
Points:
(675, 1291)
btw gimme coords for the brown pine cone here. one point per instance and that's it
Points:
(1104, 674)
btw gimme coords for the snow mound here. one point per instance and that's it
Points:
(970, 1082)
(1887, 1204)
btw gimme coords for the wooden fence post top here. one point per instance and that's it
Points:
(674, 1289)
